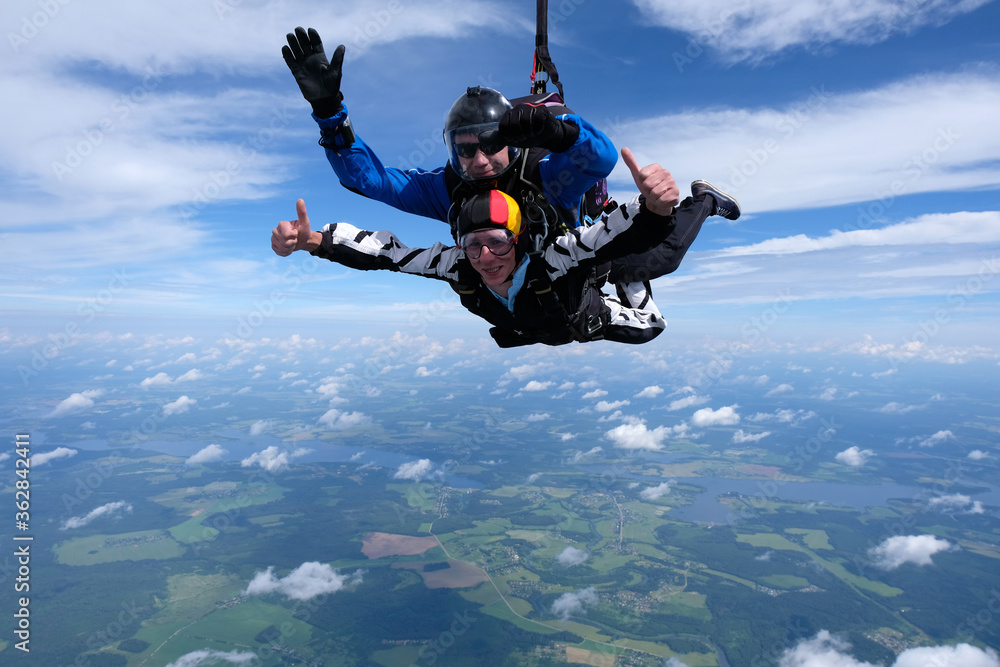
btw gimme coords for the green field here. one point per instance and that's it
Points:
(153, 544)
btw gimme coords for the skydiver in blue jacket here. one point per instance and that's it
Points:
(545, 162)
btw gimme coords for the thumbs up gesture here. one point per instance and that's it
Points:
(656, 183)
(292, 235)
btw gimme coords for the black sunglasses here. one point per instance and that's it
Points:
(468, 150)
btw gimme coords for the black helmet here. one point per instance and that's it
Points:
(477, 112)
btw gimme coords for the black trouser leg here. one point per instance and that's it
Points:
(665, 257)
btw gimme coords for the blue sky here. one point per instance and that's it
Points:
(147, 153)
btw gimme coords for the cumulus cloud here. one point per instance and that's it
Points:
(780, 389)
(572, 556)
(57, 453)
(793, 417)
(687, 402)
(206, 455)
(414, 470)
(583, 456)
(656, 492)
(537, 417)
(212, 657)
(181, 405)
(75, 404)
(271, 459)
(597, 393)
(162, 379)
(634, 435)
(608, 406)
(978, 455)
(533, 477)
(568, 604)
(937, 438)
(304, 582)
(827, 650)
(957, 502)
(726, 416)
(111, 509)
(259, 427)
(757, 31)
(337, 420)
(854, 456)
(741, 437)
(650, 392)
(900, 549)
(895, 408)
(535, 385)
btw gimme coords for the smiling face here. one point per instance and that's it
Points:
(481, 166)
(495, 270)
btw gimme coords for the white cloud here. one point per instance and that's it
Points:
(568, 604)
(537, 417)
(572, 556)
(157, 380)
(759, 30)
(582, 456)
(828, 394)
(978, 455)
(181, 405)
(956, 502)
(535, 385)
(57, 453)
(726, 416)
(741, 437)
(780, 389)
(259, 427)
(533, 477)
(961, 655)
(109, 509)
(271, 459)
(75, 404)
(206, 455)
(608, 406)
(687, 402)
(213, 657)
(895, 408)
(656, 492)
(937, 438)
(414, 470)
(597, 393)
(336, 420)
(854, 456)
(900, 549)
(304, 582)
(650, 392)
(827, 650)
(634, 435)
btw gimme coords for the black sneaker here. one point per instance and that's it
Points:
(725, 205)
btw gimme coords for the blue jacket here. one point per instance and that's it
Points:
(565, 176)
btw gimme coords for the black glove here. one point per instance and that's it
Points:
(318, 79)
(526, 125)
